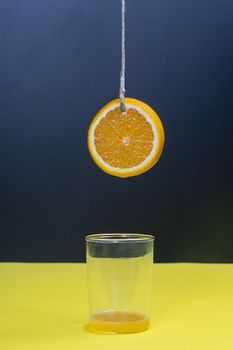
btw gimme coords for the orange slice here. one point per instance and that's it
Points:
(126, 143)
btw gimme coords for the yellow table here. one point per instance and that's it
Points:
(44, 306)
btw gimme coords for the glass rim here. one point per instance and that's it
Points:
(119, 238)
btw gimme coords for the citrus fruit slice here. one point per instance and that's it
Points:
(126, 143)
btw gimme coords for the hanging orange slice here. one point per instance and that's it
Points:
(126, 143)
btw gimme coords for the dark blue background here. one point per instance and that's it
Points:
(59, 64)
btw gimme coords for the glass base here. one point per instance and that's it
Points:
(113, 321)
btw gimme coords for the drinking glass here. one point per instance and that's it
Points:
(119, 272)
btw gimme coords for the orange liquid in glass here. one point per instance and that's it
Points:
(118, 322)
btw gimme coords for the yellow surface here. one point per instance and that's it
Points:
(44, 306)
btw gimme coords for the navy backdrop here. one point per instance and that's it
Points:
(59, 64)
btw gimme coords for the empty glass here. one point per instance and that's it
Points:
(119, 281)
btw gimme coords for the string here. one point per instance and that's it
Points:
(122, 73)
